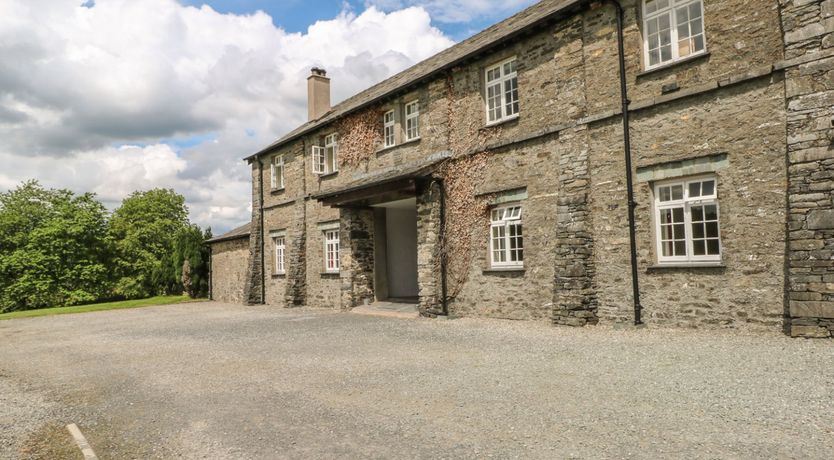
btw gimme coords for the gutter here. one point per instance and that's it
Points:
(632, 232)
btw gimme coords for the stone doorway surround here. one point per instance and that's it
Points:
(356, 203)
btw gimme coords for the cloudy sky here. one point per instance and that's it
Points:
(112, 96)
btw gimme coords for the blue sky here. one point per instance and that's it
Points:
(297, 15)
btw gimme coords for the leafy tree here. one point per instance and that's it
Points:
(144, 229)
(53, 248)
(190, 251)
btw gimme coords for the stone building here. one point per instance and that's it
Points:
(493, 178)
(229, 254)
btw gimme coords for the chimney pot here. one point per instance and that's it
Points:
(318, 93)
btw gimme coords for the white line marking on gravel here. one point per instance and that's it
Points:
(82, 442)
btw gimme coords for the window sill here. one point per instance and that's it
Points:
(328, 175)
(685, 266)
(495, 123)
(329, 274)
(504, 271)
(277, 191)
(670, 65)
(279, 275)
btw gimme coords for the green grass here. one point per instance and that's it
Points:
(152, 301)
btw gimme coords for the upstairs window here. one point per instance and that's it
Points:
(672, 30)
(687, 221)
(388, 125)
(506, 239)
(278, 172)
(412, 121)
(331, 251)
(325, 159)
(501, 91)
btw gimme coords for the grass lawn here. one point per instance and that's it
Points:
(158, 300)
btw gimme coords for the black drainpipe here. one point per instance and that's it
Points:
(443, 288)
(261, 215)
(635, 283)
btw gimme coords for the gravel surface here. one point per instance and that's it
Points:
(210, 380)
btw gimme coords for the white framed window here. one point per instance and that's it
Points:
(672, 30)
(412, 121)
(331, 153)
(280, 246)
(331, 251)
(318, 160)
(501, 91)
(388, 139)
(326, 159)
(506, 242)
(687, 221)
(278, 172)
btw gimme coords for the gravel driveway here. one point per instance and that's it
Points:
(210, 380)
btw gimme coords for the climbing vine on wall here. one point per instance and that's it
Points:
(466, 213)
(359, 135)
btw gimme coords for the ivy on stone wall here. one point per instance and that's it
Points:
(359, 136)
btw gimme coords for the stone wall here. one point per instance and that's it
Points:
(809, 89)
(356, 233)
(253, 289)
(228, 269)
(429, 252)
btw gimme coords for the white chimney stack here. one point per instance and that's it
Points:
(318, 93)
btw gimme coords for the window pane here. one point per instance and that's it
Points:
(698, 43)
(665, 37)
(712, 229)
(711, 212)
(665, 216)
(699, 248)
(697, 213)
(666, 53)
(713, 247)
(666, 248)
(680, 232)
(683, 48)
(677, 192)
(695, 10)
(663, 22)
(697, 230)
(652, 26)
(654, 57)
(677, 214)
(694, 189)
(708, 188)
(680, 248)
(665, 194)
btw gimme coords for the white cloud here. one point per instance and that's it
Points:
(456, 11)
(76, 82)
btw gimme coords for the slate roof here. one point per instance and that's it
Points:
(239, 232)
(469, 48)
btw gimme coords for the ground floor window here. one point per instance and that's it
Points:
(687, 221)
(279, 243)
(331, 251)
(506, 237)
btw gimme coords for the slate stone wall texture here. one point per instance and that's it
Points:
(755, 111)
(809, 89)
(228, 269)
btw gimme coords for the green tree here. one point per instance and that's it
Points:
(144, 229)
(190, 251)
(53, 248)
